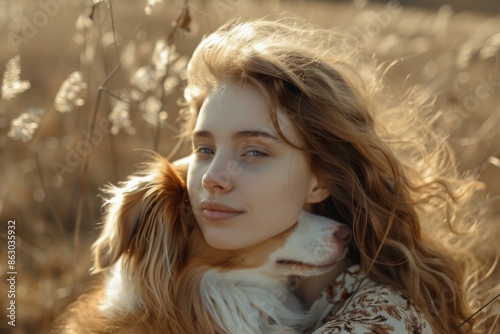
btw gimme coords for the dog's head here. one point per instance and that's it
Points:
(309, 248)
(313, 247)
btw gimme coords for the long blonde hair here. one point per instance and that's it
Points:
(390, 176)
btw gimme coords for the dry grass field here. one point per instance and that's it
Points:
(58, 147)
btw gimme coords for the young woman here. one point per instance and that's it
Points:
(284, 118)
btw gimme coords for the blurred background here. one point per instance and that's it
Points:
(62, 138)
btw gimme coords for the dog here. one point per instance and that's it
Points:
(158, 275)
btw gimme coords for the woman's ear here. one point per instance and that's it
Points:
(317, 190)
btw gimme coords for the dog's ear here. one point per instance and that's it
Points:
(140, 214)
(123, 210)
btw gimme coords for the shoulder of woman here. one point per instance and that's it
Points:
(355, 304)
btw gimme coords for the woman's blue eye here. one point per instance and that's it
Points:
(204, 150)
(255, 153)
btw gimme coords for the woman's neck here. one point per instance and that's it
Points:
(309, 288)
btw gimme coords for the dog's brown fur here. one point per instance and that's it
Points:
(148, 205)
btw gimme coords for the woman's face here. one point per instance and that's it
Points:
(245, 184)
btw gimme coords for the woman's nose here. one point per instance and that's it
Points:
(218, 177)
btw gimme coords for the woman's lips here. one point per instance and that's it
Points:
(218, 211)
(218, 215)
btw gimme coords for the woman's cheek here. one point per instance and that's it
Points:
(193, 179)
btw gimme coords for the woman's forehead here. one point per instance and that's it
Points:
(240, 107)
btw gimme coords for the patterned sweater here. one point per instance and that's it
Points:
(354, 304)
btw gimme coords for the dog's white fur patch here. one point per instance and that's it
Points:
(119, 296)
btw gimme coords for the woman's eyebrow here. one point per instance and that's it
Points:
(255, 134)
(239, 135)
(201, 134)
